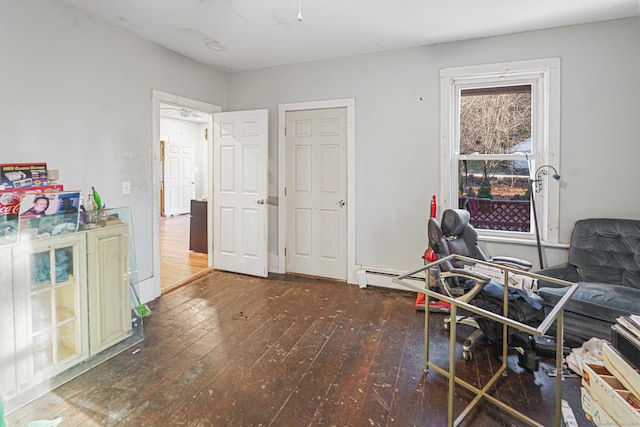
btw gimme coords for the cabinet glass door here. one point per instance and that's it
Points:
(54, 308)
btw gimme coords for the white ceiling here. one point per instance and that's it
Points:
(254, 34)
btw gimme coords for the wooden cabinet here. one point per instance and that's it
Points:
(54, 315)
(198, 226)
(7, 335)
(49, 310)
(108, 287)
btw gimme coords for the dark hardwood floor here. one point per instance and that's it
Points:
(233, 350)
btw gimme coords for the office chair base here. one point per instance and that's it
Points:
(462, 320)
(467, 346)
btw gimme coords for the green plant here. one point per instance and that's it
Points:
(484, 191)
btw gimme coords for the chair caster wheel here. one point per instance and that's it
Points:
(467, 355)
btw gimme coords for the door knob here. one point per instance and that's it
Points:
(341, 203)
(260, 202)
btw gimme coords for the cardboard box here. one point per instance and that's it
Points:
(518, 281)
(23, 175)
(621, 369)
(608, 392)
(594, 411)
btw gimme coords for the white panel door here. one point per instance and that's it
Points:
(179, 181)
(316, 190)
(240, 146)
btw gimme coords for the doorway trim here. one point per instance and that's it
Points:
(157, 98)
(349, 104)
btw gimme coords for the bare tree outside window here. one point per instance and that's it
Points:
(493, 121)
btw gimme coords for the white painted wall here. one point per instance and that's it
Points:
(397, 128)
(76, 93)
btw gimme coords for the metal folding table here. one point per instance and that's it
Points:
(556, 315)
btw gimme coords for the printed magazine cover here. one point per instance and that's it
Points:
(10, 208)
(48, 214)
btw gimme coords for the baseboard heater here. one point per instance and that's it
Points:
(383, 278)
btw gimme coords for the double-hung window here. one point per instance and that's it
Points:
(500, 142)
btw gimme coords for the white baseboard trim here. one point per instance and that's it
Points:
(365, 276)
(381, 277)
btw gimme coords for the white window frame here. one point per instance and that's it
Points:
(544, 77)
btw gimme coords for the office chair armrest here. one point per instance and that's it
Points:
(467, 274)
(479, 279)
(518, 263)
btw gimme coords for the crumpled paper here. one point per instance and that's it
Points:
(590, 352)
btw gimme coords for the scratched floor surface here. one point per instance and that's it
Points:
(232, 350)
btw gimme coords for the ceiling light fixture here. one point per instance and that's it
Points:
(190, 114)
(300, 10)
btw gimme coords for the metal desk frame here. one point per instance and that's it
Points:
(555, 315)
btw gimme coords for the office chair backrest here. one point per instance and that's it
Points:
(454, 236)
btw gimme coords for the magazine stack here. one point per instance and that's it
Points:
(626, 338)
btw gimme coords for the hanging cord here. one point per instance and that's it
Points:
(300, 10)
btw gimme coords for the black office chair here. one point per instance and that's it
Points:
(454, 235)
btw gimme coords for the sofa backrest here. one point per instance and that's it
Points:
(607, 251)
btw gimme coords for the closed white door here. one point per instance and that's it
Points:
(240, 144)
(316, 190)
(179, 180)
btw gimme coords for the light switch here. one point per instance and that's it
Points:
(126, 187)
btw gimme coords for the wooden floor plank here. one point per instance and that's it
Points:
(178, 264)
(233, 350)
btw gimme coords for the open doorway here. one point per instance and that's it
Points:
(184, 188)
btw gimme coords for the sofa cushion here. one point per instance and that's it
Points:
(607, 250)
(597, 300)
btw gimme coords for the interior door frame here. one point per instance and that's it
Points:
(159, 97)
(349, 104)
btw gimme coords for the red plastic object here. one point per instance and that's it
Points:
(430, 256)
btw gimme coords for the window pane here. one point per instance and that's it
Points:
(495, 120)
(496, 193)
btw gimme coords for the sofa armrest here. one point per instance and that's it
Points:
(563, 272)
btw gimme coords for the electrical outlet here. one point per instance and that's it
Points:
(126, 187)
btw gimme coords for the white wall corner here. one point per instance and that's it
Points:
(274, 263)
(148, 289)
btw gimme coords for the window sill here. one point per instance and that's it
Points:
(523, 242)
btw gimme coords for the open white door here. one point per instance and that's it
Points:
(240, 143)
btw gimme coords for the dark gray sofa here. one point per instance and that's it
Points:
(604, 258)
